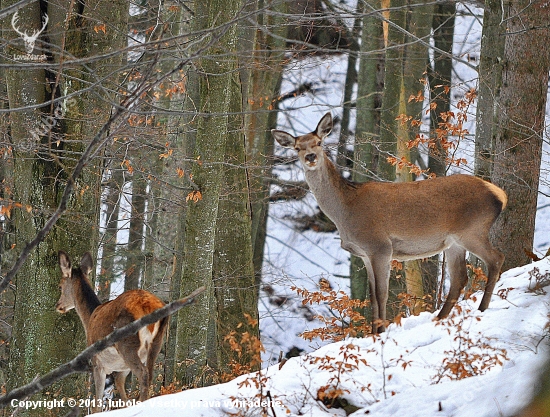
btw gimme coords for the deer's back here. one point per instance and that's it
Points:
(127, 307)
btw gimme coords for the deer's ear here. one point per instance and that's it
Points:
(286, 140)
(64, 263)
(86, 263)
(324, 127)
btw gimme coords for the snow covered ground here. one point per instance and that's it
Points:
(409, 370)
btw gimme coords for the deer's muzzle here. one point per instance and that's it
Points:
(311, 158)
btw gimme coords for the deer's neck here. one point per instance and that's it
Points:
(86, 301)
(329, 188)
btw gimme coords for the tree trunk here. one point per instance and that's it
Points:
(233, 275)
(440, 89)
(46, 145)
(490, 81)
(349, 87)
(440, 80)
(200, 227)
(186, 147)
(107, 273)
(263, 87)
(419, 19)
(518, 144)
(387, 145)
(135, 255)
(370, 84)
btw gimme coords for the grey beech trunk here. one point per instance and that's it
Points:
(491, 64)
(47, 143)
(264, 78)
(518, 141)
(233, 273)
(215, 78)
(370, 83)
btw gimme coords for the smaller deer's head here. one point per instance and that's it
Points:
(70, 279)
(309, 146)
(30, 40)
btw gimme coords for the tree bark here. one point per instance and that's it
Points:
(518, 143)
(233, 272)
(45, 147)
(261, 103)
(440, 80)
(370, 83)
(214, 72)
(415, 59)
(491, 62)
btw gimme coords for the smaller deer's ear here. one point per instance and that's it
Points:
(86, 263)
(286, 140)
(64, 263)
(325, 126)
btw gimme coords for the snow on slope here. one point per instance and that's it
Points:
(401, 372)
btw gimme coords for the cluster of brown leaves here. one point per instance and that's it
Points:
(448, 134)
(346, 321)
(349, 361)
(244, 343)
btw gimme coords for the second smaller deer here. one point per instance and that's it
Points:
(135, 353)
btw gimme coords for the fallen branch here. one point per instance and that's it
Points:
(80, 362)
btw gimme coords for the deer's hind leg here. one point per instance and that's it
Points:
(120, 384)
(493, 259)
(456, 264)
(155, 348)
(129, 350)
(99, 381)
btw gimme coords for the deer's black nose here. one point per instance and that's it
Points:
(311, 157)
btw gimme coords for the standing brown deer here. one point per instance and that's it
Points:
(404, 221)
(136, 353)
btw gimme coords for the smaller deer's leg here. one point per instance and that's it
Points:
(128, 349)
(120, 384)
(154, 350)
(456, 264)
(99, 381)
(493, 274)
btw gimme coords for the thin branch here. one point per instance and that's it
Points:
(14, 7)
(80, 362)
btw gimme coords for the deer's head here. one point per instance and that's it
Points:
(70, 280)
(309, 146)
(30, 40)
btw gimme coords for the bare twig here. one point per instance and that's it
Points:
(14, 7)
(80, 362)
